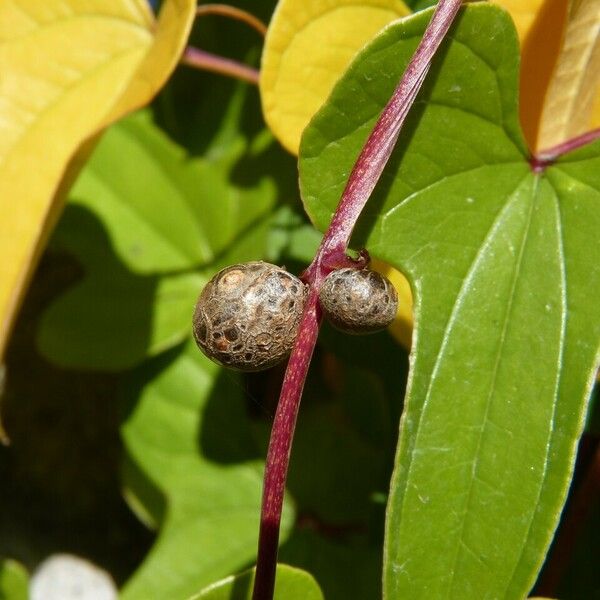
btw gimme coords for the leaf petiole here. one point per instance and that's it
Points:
(206, 61)
(545, 158)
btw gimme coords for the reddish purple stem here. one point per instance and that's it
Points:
(546, 157)
(278, 455)
(199, 59)
(332, 254)
(380, 143)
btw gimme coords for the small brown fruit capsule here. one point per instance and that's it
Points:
(358, 301)
(247, 316)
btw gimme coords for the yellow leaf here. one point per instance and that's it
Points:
(67, 69)
(573, 90)
(523, 13)
(540, 24)
(308, 46)
(595, 119)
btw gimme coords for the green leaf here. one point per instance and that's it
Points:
(291, 238)
(113, 318)
(291, 584)
(188, 435)
(504, 263)
(164, 210)
(150, 226)
(14, 581)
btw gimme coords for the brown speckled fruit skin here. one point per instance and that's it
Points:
(247, 316)
(358, 301)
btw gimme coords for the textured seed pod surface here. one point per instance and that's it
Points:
(248, 314)
(358, 301)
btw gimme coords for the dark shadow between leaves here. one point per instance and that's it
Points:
(196, 107)
(267, 159)
(60, 474)
(207, 101)
(379, 353)
(146, 499)
(225, 436)
(350, 570)
(241, 586)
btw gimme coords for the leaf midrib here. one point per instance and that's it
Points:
(563, 283)
(409, 450)
(491, 390)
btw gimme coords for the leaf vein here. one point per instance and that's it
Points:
(490, 394)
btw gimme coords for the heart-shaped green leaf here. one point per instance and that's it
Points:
(149, 226)
(504, 263)
(291, 584)
(113, 318)
(188, 436)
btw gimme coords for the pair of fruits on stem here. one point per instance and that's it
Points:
(248, 314)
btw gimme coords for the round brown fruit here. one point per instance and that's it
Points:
(358, 301)
(247, 315)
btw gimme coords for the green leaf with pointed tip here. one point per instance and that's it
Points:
(505, 266)
(150, 226)
(188, 435)
(291, 584)
(14, 581)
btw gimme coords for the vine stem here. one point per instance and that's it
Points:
(232, 12)
(206, 61)
(331, 255)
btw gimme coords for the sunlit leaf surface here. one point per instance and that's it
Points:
(504, 265)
